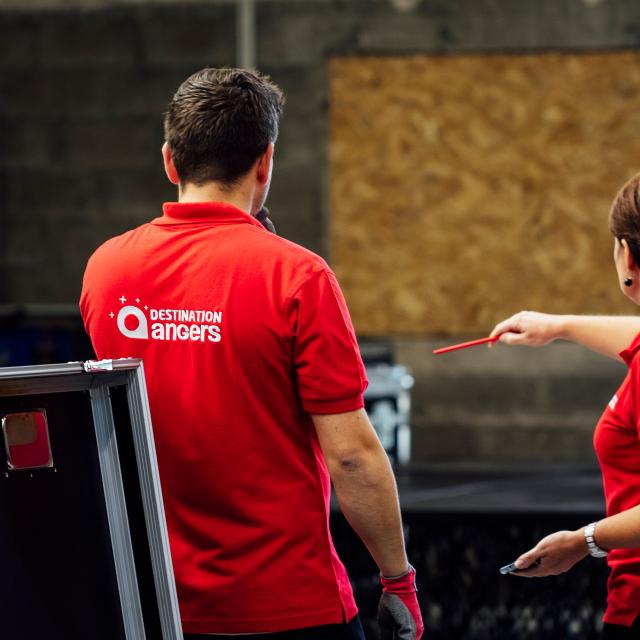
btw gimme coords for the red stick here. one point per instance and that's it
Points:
(466, 345)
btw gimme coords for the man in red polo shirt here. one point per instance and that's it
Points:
(255, 384)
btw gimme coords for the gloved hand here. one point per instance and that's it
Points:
(263, 217)
(399, 615)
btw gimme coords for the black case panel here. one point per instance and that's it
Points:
(57, 576)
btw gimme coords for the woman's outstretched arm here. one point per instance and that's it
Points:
(607, 335)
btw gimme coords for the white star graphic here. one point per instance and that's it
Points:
(122, 299)
(112, 314)
(146, 307)
(138, 300)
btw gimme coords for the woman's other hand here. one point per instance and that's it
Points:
(557, 553)
(529, 328)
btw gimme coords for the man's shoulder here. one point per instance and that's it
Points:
(293, 253)
(116, 244)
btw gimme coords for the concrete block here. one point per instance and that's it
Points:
(22, 92)
(553, 444)
(89, 40)
(70, 93)
(75, 93)
(581, 25)
(141, 91)
(26, 143)
(297, 147)
(193, 35)
(20, 41)
(338, 24)
(294, 201)
(488, 393)
(469, 25)
(47, 196)
(287, 35)
(460, 398)
(385, 30)
(65, 281)
(111, 143)
(591, 391)
(294, 33)
(305, 89)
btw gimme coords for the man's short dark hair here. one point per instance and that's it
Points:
(219, 122)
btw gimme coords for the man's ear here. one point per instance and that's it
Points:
(265, 165)
(169, 167)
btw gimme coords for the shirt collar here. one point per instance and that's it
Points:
(628, 354)
(204, 212)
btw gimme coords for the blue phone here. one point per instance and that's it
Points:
(511, 568)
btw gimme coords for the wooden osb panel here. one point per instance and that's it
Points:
(466, 188)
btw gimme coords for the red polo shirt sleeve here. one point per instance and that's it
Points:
(330, 374)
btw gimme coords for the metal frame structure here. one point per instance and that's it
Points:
(98, 378)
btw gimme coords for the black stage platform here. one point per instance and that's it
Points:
(465, 489)
(462, 524)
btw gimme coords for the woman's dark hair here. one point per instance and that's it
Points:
(624, 217)
(219, 122)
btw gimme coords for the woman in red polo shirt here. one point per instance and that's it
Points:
(616, 438)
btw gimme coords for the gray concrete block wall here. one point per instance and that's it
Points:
(507, 404)
(81, 100)
(82, 91)
(83, 84)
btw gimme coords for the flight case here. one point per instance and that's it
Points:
(84, 551)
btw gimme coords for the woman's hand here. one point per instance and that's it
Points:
(557, 553)
(530, 328)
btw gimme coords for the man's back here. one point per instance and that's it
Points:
(255, 385)
(243, 335)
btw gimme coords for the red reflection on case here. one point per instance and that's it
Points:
(26, 438)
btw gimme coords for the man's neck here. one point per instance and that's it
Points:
(240, 197)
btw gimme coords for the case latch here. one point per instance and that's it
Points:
(97, 366)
